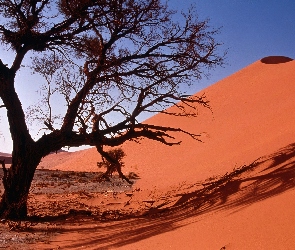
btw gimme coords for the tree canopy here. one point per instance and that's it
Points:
(100, 59)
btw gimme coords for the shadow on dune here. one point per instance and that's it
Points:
(266, 177)
(277, 175)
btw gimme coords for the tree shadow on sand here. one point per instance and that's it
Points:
(266, 177)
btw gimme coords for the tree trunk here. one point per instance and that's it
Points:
(17, 182)
(25, 156)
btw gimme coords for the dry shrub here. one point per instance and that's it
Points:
(117, 154)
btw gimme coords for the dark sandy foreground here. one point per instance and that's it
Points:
(60, 196)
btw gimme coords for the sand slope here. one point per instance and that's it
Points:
(252, 117)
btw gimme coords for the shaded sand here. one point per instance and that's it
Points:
(251, 119)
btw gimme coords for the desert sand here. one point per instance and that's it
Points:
(251, 116)
(191, 199)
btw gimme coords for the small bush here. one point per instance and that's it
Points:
(117, 154)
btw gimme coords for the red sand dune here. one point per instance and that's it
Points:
(252, 116)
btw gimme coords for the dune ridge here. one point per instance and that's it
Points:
(251, 116)
(251, 120)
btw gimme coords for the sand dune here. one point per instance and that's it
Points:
(252, 117)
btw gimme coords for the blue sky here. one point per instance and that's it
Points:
(251, 30)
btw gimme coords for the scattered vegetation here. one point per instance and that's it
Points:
(61, 175)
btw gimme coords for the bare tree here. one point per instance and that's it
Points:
(107, 58)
